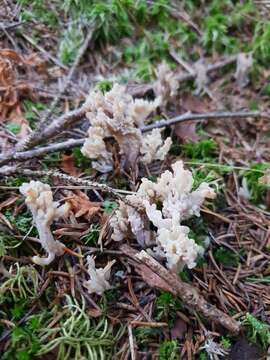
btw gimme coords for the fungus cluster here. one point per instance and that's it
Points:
(117, 115)
(165, 205)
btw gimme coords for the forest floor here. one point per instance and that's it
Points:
(52, 53)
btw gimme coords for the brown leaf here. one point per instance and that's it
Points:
(179, 329)
(187, 131)
(12, 89)
(68, 166)
(82, 206)
(11, 55)
(243, 350)
(194, 104)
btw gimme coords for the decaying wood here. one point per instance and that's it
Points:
(188, 294)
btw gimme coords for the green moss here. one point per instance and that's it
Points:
(70, 44)
(257, 190)
(257, 331)
(226, 257)
(168, 350)
(201, 150)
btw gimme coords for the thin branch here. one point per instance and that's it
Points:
(30, 154)
(198, 117)
(69, 144)
(11, 26)
(9, 170)
(159, 276)
(27, 143)
(52, 130)
(139, 90)
(131, 343)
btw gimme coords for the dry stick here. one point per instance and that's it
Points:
(8, 170)
(188, 294)
(11, 26)
(24, 155)
(27, 143)
(52, 130)
(197, 117)
(131, 343)
(139, 89)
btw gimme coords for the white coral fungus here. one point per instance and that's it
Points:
(243, 66)
(166, 84)
(116, 114)
(154, 148)
(167, 203)
(99, 278)
(39, 199)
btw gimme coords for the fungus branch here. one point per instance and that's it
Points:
(99, 278)
(39, 199)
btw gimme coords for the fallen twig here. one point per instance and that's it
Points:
(11, 26)
(188, 294)
(139, 90)
(131, 343)
(75, 115)
(52, 130)
(9, 170)
(197, 117)
(30, 154)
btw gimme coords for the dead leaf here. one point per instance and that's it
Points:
(179, 329)
(12, 89)
(194, 104)
(11, 55)
(243, 350)
(68, 166)
(187, 131)
(82, 206)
